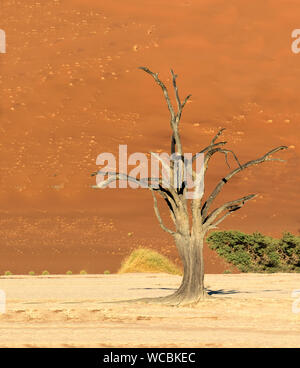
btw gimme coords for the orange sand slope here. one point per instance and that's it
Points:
(246, 310)
(70, 89)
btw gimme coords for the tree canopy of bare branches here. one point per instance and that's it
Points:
(191, 218)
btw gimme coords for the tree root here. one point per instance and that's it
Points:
(176, 299)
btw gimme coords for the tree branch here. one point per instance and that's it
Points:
(208, 149)
(223, 181)
(215, 224)
(174, 76)
(168, 192)
(185, 100)
(156, 210)
(221, 150)
(175, 117)
(217, 136)
(169, 201)
(174, 121)
(180, 105)
(164, 89)
(230, 207)
(113, 176)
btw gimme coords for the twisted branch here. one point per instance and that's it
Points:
(223, 181)
(157, 213)
(230, 207)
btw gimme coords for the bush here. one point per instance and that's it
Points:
(106, 272)
(69, 272)
(45, 273)
(289, 250)
(83, 272)
(257, 252)
(31, 273)
(7, 273)
(147, 260)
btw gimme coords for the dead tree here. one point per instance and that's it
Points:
(193, 218)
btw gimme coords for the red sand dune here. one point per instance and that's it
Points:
(70, 89)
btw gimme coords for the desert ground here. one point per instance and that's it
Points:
(70, 89)
(245, 310)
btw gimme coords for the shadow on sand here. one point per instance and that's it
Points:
(209, 291)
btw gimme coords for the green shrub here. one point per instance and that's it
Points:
(147, 260)
(31, 273)
(83, 272)
(257, 252)
(69, 273)
(45, 273)
(7, 273)
(106, 272)
(289, 250)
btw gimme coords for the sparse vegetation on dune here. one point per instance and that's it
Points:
(257, 252)
(148, 260)
(46, 273)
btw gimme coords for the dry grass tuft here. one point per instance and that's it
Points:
(148, 260)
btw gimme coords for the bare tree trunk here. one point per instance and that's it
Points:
(192, 288)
